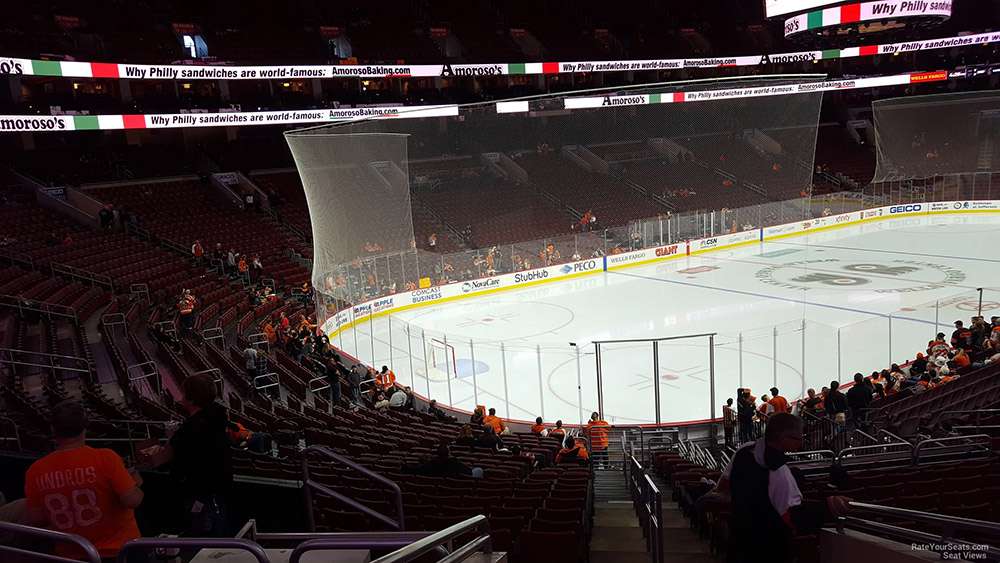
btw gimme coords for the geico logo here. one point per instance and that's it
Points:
(537, 275)
(905, 208)
(666, 250)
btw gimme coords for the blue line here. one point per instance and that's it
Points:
(920, 254)
(774, 297)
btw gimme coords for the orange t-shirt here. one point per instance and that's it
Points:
(962, 361)
(779, 403)
(495, 422)
(78, 490)
(537, 428)
(598, 434)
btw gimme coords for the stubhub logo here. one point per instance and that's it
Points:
(905, 208)
(531, 276)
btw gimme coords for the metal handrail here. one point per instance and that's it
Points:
(17, 432)
(309, 485)
(216, 543)
(825, 453)
(50, 309)
(948, 523)
(420, 547)
(892, 436)
(90, 552)
(876, 449)
(353, 540)
(954, 440)
(82, 274)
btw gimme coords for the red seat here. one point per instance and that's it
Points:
(550, 547)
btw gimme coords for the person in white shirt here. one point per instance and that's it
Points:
(398, 399)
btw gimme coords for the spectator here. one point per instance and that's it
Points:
(919, 365)
(573, 451)
(398, 399)
(106, 217)
(765, 408)
(489, 439)
(478, 414)
(385, 380)
(443, 465)
(437, 413)
(961, 359)
(767, 506)
(778, 403)
(381, 402)
(961, 337)
(243, 269)
(185, 311)
(729, 422)
(358, 373)
(558, 431)
(198, 253)
(744, 413)
(466, 437)
(331, 369)
(538, 428)
(938, 346)
(82, 490)
(597, 430)
(493, 421)
(835, 404)
(200, 459)
(812, 402)
(859, 398)
(231, 262)
(256, 268)
(250, 362)
(240, 437)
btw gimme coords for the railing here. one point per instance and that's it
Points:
(53, 362)
(16, 433)
(947, 539)
(309, 485)
(896, 445)
(481, 543)
(978, 415)
(85, 275)
(648, 503)
(42, 307)
(971, 444)
(90, 553)
(18, 259)
(148, 544)
(142, 371)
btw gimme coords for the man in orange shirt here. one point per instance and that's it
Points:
(537, 428)
(573, 451)
(778, 403)
(385, 379)
(597, 430)
(493, 421)
(81, 490)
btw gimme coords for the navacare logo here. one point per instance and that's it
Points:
(428, 294)
(905, 208)
(579, 267)
(667, 250)
(531, 276)
(479, 285)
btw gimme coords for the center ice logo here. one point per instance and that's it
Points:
(898, 276)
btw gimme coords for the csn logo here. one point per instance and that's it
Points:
(905, 208)
(709, 242)
(579, 267)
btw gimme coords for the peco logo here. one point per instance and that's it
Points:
(905, 208)
(579, 267)
(531, 276)
(667, 250)
(477, 285)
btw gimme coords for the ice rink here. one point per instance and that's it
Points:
(795, 313)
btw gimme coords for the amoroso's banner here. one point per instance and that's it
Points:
(78, 69)
(865, 12)
(43, 123)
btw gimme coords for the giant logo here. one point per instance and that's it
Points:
(897, 276)
(667, 250)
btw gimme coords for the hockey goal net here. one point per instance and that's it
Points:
(443, 357)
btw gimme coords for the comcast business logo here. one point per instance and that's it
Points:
(896, 276)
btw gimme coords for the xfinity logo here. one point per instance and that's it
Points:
(905, 208)
(530, 276)
(476, 285)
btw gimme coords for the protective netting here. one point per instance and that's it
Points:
(503, 192)
(919, 137)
